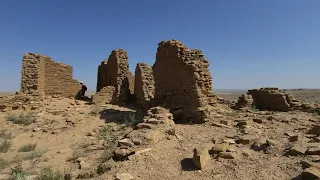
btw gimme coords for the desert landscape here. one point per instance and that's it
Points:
(162, 122)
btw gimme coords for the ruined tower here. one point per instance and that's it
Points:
(183, 82)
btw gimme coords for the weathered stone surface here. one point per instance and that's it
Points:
(104, 96)
(115, 72)
(270, 99)
(245, 100)
(40, 75)
(124, 176)
(183, 81)
(144, 85)
(200, 157)
(228, 155)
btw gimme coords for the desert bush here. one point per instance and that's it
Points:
(5, 134)
(21, 118)
(5, 146)
(28, 156)
(3, 163)
(49, 174)
(17, 173)
(129, 119)
(106, 154)
(27, 148)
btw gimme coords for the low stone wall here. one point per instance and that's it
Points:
(104, 96)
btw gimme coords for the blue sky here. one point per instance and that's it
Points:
(249, 43)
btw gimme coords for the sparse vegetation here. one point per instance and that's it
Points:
(5, 134)
(129, 119)
(106, 155)
(18, 173)
(21, 118)
(49, 174)
(28, 156)
(27, 148)
(5, 146)
(3, 163)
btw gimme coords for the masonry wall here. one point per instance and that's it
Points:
(183, 81)
(58, 79)
(144, 85)
(32, 74)
(41, 75)
(117, 75)
(271, 99)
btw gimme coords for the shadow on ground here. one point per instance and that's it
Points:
(127, 116)
(187, 165)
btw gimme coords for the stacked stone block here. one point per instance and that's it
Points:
(33, 74)
(144, 85)
(245, 100)
(183, 81)
(115, 72)
(58, 79)
(104, 96)
(40, 76)
(269, 98)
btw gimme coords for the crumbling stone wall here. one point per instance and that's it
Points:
(33, 74)
(104, 96)
(131, 80)
(270, 98)
(115, 72)
(183, 81)
(245, 100)
(144, 85)
(58, 79)
(42, 76)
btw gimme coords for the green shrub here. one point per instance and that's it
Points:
(5, 146)
(49, 174)
(21, 118)
(18, 173)
(5, 134)
(27, 148)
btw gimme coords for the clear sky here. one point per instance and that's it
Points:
(249, 43)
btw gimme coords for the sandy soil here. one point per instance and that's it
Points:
(67, 135)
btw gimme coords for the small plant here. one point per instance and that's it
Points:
(76, 154)
(49, 174)
(5, 146)
(21, 118)
(3, 163)
(106, 155)
(129, 119)
(95, 111)
(28, 156)
(27, 148)
(4, 134)
(18, 173)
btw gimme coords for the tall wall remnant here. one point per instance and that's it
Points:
(183, 81)
(144, 85)
(115, 72)
(42, 76)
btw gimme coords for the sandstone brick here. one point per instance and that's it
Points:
(115, 72)
(144, 85)
(41, 76)
(104, 96)
(183, 81)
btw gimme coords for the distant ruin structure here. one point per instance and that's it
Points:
(273, 99)
(41, 76)
(183, 82)
(144, 85)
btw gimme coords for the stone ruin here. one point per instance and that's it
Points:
(183, 82)
(179, 81)
(41, 76)
(144, 85)
(273, 99)
(115, 72)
